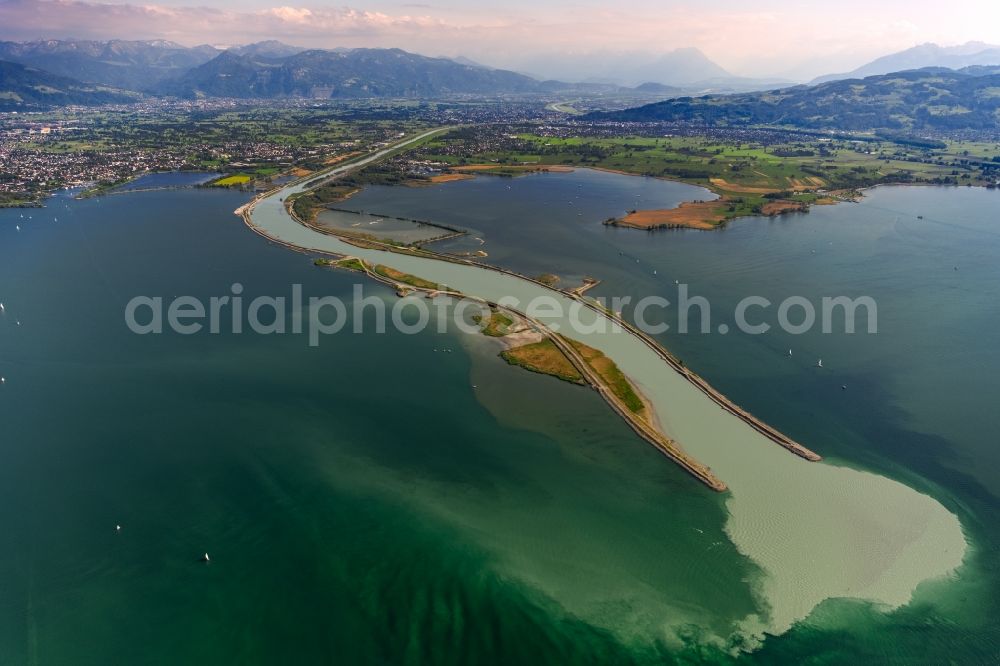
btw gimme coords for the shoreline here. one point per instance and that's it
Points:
(702, 385)
(646, 428)
(768, 431)
(683, 216)
(802, 552)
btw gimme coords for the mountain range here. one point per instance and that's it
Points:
(344, 74)
(272, 69)
(924, 55)
(930, 98)
(56, 72)
(22, 86)
(269, 69)
(135, 65)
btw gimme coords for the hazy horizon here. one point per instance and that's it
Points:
(563, 39)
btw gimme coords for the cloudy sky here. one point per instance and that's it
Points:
(789, 38)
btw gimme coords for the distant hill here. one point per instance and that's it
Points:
(462, 60)
(345, 74)
(933, 98)
(688, 69)
(680, 67)
(271, 48)
(27, 88)
(135, 65)
(657, 88)
(924, 55)
(676, 68)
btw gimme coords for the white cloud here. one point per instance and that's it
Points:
(290, 14)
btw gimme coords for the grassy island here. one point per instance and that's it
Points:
(497, 326)
(348, 263)
(544, 358)
(405, 278)
(612, 376)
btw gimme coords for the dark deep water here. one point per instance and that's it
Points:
(362, 503)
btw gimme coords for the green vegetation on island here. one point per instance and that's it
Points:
(405, 278)
(497, 326)
(611, 375)
(348, 263)
(543, 357)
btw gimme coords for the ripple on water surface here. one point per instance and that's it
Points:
(817, 530)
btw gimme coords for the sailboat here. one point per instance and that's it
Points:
(789, 352)
(819, 363)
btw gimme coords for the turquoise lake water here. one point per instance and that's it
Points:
(359, 512)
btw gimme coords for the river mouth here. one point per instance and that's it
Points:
(471, 502)
(817, 531)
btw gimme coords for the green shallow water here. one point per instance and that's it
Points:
(357, 512)
(817, 531)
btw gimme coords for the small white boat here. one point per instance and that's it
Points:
(205, 558)
(819, 363)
